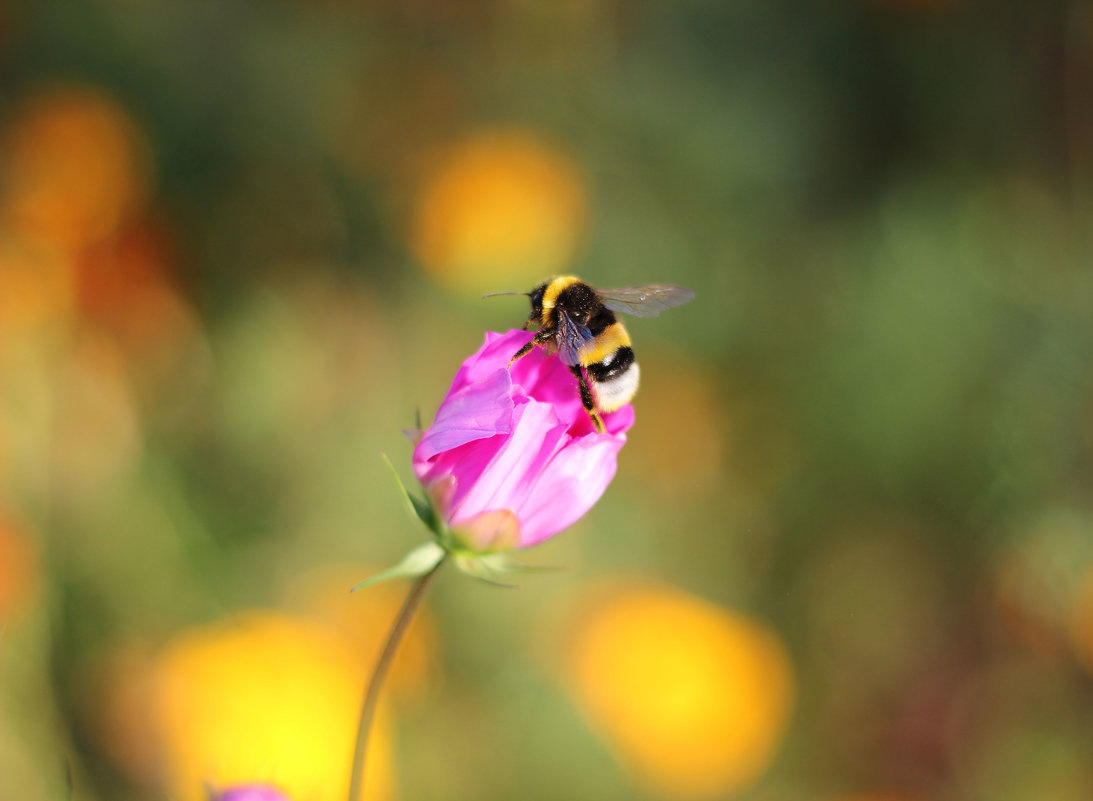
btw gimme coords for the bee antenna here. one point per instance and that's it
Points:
(500, 294)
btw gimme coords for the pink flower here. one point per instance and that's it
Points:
(512, 457)
(251, 792)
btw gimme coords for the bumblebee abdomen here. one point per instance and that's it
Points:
(614, 379)
(618, 390)
(612, 366)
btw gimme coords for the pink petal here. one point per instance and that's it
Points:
(620, 420)
(252, 792)
(494, 354)
(536, 436)
(569, 486)
(475, 411)
(461, 467)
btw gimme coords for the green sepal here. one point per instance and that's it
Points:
(477, 567)
(518, 567)
(491, 568)
(416, 563)
(425, 513)
(422, 510)
(488, 567)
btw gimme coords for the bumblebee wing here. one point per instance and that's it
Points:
(645, 301)
(570, 339)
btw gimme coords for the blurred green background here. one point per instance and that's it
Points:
(241, 243)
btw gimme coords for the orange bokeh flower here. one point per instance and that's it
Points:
(1042, 585)
(37, 283)
(76, 171)
(1081, 620)
(75, 167)
(97, 432)
(18, 570)
(668, 455)
(126, 289)
(502, 210)
(693, 698)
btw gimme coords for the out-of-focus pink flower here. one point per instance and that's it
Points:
(252, 792)
(512, 457)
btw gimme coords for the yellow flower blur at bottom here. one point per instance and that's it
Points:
(264, 698)
(693, 698)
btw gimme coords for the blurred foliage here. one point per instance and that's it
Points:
(240, 243)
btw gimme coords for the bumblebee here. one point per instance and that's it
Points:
(579, 324)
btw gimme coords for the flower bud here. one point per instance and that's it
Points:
(512, 458)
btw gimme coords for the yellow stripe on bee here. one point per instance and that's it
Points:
(612, 338)
(550, 294)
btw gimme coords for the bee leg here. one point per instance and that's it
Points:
(540, 338)
(522, 352)
(587, 400)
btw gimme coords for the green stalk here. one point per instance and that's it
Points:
(379, 673)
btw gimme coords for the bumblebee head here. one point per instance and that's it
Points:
(536, 296)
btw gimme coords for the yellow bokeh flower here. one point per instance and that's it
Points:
(363, 620)
(502, 211)
(264, 698)
(693, 698)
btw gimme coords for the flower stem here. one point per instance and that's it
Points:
(379, 672)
